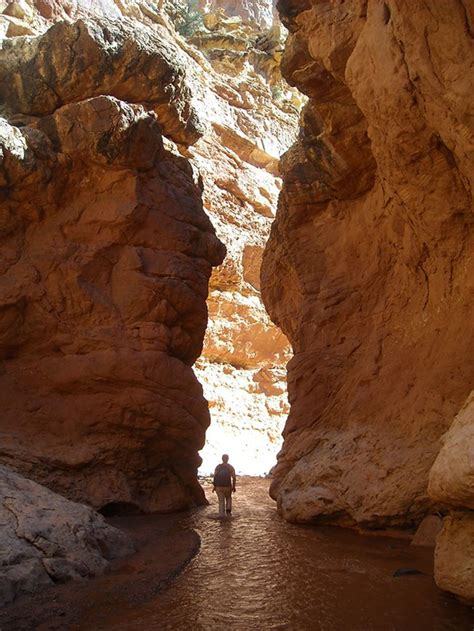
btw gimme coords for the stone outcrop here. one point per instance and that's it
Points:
(452, 475)
(81, 60)
(454, 555)
(46, 539)
(107, 253)
(369, 267)
(451, 485)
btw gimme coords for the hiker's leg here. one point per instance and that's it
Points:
(221, 497)
(228, 502)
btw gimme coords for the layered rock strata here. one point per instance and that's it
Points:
(369, 266)
(107, 254)
(244, 354)
(45, 539)
(451, 484)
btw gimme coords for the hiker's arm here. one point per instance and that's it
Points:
(233, 479)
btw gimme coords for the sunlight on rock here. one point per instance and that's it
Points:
(248, 410)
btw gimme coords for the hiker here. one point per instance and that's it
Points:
(224, 485)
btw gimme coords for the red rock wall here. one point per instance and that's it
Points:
(106, 257)
(369, 269)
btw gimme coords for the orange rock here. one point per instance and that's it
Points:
(76, 61)
(451, 483)
(454, 556)
(452, 475)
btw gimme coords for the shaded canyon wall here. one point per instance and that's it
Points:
(107, 253)
(119, 140)
(369, 267)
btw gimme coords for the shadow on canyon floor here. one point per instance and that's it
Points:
(253, 571)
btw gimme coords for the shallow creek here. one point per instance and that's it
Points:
(254, 571)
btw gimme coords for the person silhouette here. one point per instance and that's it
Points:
(224, 485)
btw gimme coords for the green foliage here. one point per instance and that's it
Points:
(189, 19)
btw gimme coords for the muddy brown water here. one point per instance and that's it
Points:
(253, 572)
(256, 572)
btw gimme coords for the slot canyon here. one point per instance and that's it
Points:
(245, 227)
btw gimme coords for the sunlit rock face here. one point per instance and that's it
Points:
(253, 121)
(369, 268)
(107, 254)
(451, 485)
(261, 13)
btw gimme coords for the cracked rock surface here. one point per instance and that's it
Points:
(369, 266)
(45, 539)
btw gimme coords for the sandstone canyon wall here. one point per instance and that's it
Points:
(119, 140)
(244, 354)
(369, 267)
(107, 254)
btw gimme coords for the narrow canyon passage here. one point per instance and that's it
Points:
(256, 571)
(257, 213)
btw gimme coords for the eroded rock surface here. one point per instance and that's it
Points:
(244, 354)
(452, 475)
(46, 539)
(369, 267)
(107, 254)
(454, 555)
(79, 60)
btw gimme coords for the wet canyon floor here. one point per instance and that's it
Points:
(250, 572)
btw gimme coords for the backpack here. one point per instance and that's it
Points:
(223, 476)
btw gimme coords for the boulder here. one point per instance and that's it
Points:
(46, 539)
(452, 475)
(451, 484)
(454, 556)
